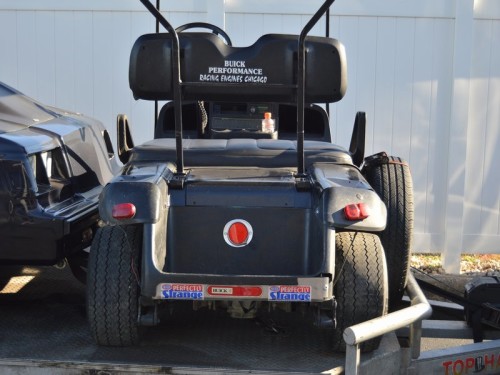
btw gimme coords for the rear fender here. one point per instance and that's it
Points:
(149, 195)
(342, 185)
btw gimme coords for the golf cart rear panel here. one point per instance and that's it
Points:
(284, 239)
(274, 252)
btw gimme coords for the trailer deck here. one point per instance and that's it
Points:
(44, 330)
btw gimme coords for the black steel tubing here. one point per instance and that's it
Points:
(301, 81)
(176, 82)
(157, 30)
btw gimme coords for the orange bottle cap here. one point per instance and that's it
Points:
(267, 115)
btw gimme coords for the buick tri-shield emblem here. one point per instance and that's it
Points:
(238, 233)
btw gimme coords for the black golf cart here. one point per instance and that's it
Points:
(53, 166)
(223, 209)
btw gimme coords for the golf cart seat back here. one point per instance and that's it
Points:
(213, 71)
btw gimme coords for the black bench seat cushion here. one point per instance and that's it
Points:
(265, 153)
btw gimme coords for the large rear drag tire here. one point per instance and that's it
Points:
(113, 285)
(390, 177)
(360, 288)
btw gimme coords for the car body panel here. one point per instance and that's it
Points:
(54, 164)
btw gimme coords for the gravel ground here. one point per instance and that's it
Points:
(471, 265)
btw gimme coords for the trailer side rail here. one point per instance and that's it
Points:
(413, 316)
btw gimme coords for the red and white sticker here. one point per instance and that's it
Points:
(234, 291)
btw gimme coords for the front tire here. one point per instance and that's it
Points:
(113, 285)
(360, 289)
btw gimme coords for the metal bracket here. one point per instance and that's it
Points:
(177, 181)
(149, 318)
(302, 182)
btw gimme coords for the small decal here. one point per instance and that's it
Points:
(234, 291)
(219, 290)
(489, 362)
(290, 293)
(182, 291)
(234, 71)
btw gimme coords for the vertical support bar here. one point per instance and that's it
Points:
(157, 30)
(352, 359)
(301, 84)
(457, 145)
(176, 62)
(417, 297)
(415, 338)
(327, 34)
(300, 109)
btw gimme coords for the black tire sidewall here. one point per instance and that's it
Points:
(113, 285)
(393, 183)
(360, 285)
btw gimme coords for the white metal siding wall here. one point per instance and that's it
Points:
(427, 73)
(482, 203)
(78, 59)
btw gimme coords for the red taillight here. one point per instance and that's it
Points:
(238, 233)
(356, 211)
(123, 211)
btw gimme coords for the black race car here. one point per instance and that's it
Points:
(53, 166)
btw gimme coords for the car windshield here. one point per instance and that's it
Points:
(49, 169)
